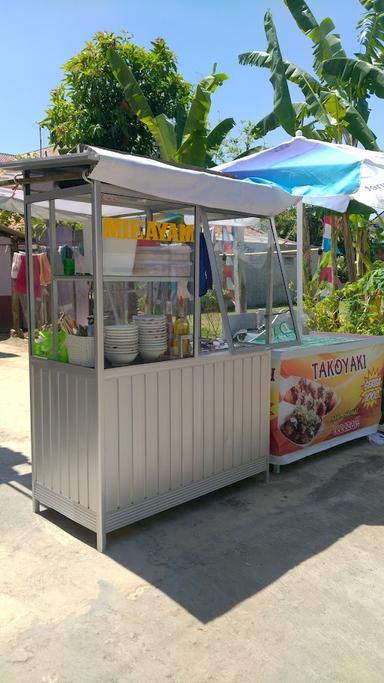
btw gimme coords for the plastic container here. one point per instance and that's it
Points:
(81, 350)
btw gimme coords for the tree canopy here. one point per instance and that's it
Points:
(89, 107)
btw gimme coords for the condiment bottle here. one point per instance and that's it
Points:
(169, 324)
(181, 328)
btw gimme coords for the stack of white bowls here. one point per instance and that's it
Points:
(152, 336)
(121, 343)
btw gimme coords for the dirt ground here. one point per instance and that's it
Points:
(264, 583)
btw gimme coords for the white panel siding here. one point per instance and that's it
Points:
(218, 417)
(164, 431)
(125, 441)
(187, 424)
(175, 427)
(172, 427)
(64, 426)
(171, 432)
(151, 435)
(209, 422)
(247, 410)
(138, 437)
(111, 446)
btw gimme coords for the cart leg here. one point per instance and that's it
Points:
(276, 469)
(101, 541)
(35, 505)
(267, 475)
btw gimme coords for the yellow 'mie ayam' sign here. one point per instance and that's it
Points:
(133, 229)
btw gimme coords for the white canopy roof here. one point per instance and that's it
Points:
(189, 186)
(161, 182)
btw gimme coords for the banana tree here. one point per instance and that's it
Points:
(328, 112)
(187, 139)
(335, 106)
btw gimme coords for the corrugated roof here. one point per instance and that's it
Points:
(7, 157)
(10, 232)
(34, 153)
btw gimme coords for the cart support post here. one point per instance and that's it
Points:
(53, 250)
(269, 292)
(299, 264)
(196, 297)
(99, 357)
(283, 274)
(216, 281)
(31, 325)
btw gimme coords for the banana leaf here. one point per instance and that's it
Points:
(282, 103)
(271, 122)
(213, 81)
(371, 30)
(359, 73)
(292, 72)
(140, 106)
(193, 147)
(359, 129)
(181, 117)
(327, 45)
(302, 15)
(168, 135)
(218, 133)
(315, 104)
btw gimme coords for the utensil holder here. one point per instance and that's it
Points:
(81, 350)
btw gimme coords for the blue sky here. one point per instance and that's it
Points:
(38, 37)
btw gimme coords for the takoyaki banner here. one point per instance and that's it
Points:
(317, 397)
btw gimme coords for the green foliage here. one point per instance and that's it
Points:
(16, 222)
(238, 145)
(88, 106)
(364, 76)
(356, 308)
(286, 224)
(187, 137)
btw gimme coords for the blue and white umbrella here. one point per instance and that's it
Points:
(336, 177)
(322, 173)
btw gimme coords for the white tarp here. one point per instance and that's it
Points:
(188, 186)
(66, 209)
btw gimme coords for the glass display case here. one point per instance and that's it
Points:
(149, 307)
(148, 287)
(252, 305)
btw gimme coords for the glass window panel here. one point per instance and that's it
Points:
(62, 300)
(148, 264)
(244, 256)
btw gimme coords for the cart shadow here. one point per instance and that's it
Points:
(210, 555)
(9, 461)
(213, 553)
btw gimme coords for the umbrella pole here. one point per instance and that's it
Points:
(299, 265)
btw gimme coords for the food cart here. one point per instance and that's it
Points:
(323, 393)
(131, 412)
(328, 389)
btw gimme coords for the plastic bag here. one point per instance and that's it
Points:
(43, 346)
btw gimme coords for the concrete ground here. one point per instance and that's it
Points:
(278, 583)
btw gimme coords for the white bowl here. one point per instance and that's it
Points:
(151, 355)
(121, 328)
(126, 347)
(121, 358)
